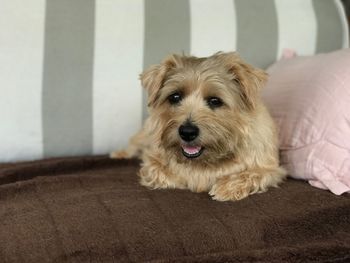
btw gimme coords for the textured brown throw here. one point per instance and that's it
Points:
(93, 210)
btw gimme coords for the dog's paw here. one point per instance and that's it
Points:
(123, 154)
(153, 178)
(231, 189)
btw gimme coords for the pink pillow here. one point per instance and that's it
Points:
(309, 98)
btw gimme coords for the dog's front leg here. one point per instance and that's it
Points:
(154, 175)
(238, 186)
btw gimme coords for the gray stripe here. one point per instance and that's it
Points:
(329, 26)
(167, 30)
(257, 31)
(67, 80)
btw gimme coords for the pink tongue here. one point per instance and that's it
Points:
(191, 149)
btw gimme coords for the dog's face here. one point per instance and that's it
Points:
(202, 105)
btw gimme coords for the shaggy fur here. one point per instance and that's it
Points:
(237, 138)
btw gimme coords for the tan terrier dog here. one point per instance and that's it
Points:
(207, 129)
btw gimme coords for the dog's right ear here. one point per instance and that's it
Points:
(153, 78)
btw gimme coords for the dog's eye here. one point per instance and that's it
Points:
(175, 98)
(214, 102)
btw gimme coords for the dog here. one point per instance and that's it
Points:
(208, 129)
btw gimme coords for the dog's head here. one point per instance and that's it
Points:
(202, 105)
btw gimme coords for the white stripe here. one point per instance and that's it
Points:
(213, 26)
(21, 59)
(297, 26)
(117, 95)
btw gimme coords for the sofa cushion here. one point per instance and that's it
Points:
(309, 98)
(69, 69)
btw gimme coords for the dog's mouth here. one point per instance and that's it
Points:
(191, 151)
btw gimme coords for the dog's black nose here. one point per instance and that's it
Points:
(188, 132)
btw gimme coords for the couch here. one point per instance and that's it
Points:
(70, 95)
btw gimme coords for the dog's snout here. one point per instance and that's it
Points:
(188, 132)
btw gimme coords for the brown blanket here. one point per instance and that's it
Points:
(93, 210)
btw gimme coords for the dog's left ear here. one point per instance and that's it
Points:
(250, 79)
(153, 78)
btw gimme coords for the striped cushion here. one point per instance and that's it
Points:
(69, 68)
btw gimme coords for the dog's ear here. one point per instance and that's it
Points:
(249, 78)
(153, 78)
